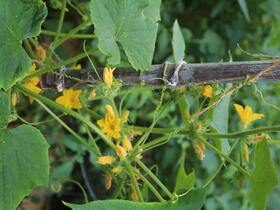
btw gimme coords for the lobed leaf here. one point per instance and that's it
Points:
(19, 20)
(24, 164)
(130, 23)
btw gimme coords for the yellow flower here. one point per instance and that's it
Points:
(125, 116)
(207, 91)
(70, 99)
(109, 110)
(127, 144)
(108, 76)
(92, 94)
(77, 67)
(108, 181)
(111, 126)
(32, 68)
(116, 170)
(121, 152)
(40, 53)
(103, 160)
(32, 85)
(245, 152)
(199, 149)
(246, 115)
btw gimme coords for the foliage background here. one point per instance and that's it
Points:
(212, 30)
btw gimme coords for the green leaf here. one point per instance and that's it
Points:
(220, 118)
(244, 8)
(24, 164)
(184, 180)
(192, 201)
(264, 177)
(178, 43)
(130, 23)
(20, 19)
(4, 109)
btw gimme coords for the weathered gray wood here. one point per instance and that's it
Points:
(190, 74)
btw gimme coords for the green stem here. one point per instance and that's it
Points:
(60, 21)
(156, 180)
(68, 35)
(152, 188)
(82, 36)
(208, 135)
(210, 146)
(133, 179)
(273, 141)
(58, 65)
(29, 48)
(69, 111)
(219, 168)
(157, 142)
(80, 186)
(119, 188)
(80, 139)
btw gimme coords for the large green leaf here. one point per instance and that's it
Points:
(264, 177)
(192, 201)
(23, 164)
(4, 109)
(178, 43)
(130, 23)
(19, 20)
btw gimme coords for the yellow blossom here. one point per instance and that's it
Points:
(111, 126)
(260, 137)
(109, 110)
(116, 170)
(92, 94)
(246, 114)
(31, 84)
(108, 181)
(40, 53)
(108, 76)
(125, 116)
(77, 67)
(121, 152)
(127, 144)
(199, 149)
(70, 99)
(207, 91)
(103, 160)
(245, 152)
